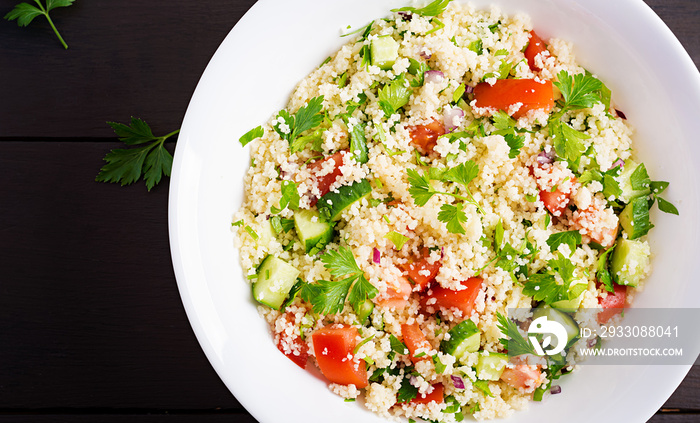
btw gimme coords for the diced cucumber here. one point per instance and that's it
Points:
(464, 338)
(629, 261)
(491, 365)
(332, 204)
(626, 186)
(384, 51)
(572, 304)
(635, 218)
(313, 231)
(275, 279)
(364, 310)
(560, 317)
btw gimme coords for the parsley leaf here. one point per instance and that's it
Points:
(394, 95)
(420, 188)
(477, 46)
(666, 206)
(126, 166)
(358, 143)
(251, 135)
(397, 346)
(640, 178)
(463, 173)
(515, 142)
(329, 297)
(454, 216)
(570, 238)
(397, 239)
(580, 91)
(25, 14)
(568, 142)
(406, 392)
(439, 366)
(417, 69)
(602, 273)
(290, 197)
(432, 9)
(544, 287)
(292, 126)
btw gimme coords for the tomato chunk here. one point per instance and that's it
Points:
(421, 272)
(416, 342)
(294, 349)
(424, 137)
(505, 94)
(523, 376)
(395, 297)
(612, 304)
(439, 297)
(535, 47)
(435, 395)
(325, 181)
(556, 202)
(333, 346)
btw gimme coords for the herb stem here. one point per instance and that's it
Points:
(164, 137)
(56, 31)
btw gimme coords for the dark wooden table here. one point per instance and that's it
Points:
(91, 323)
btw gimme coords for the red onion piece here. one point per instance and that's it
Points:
(434, 76)
(592, 342)
(442, 252)
(618, 162)
(376, 256)
(406, 16)
(545, 157)
(452, 118)
(413, 380)
(556, 389)
(468, 89)
(458, 382)
(622, 115)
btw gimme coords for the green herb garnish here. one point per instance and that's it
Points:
(25, 14)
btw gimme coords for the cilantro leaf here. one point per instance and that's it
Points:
(394, 95)
(579, 91)
(454, 216)
(666, 206)
(290, 197)
(570, 238)
(432, 9)
(514, 341)
(25, 14)
(420, 188)
(251, 135)
(602, 273)
(358, 143)
(463, 173)
(515, 142)
(126, 166)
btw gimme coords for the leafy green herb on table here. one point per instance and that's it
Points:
(306, 118)
(422, 191)
(432, 9)
(514, 341)
(328, 297)
(25, 14)
(150, 160)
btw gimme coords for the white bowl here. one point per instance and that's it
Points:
(250, 77)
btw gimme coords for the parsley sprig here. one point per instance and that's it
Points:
(544, 287)
(640, 180)
(25, 14)
(432, 9)
(151, 160)
(306, 118)
(328, 297)
(394, 95)
(422, 191)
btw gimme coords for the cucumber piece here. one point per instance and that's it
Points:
(313, 232)
(572, 304)
(629, 261)
(626, 186)
(332, 204)
(464, 338)
(275, 279)
(384, 51)
(491, 365)
(560, 317)
(635, 218)
(364, 310)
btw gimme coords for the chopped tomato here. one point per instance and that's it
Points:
(523, 376)
(294, 348)
(535, 47)
(595, 222)
(420, 271)
(506, 94)
(612, 304)
(463, 300)
(334, 347)
(416, 342)
(324, 182)
(395, 297)
(424, 137)
(556, 202)
(435, 395)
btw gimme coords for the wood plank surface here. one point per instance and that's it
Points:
(93, 329)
